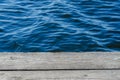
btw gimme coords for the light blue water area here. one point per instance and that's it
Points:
(59, 25)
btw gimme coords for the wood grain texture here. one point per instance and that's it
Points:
(61, 75)
(95, 60)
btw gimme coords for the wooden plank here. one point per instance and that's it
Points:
(61, 75)
(93, 60)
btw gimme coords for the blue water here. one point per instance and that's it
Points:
(59, 25)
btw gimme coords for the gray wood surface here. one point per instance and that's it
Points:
(61, 75)
(96, 60)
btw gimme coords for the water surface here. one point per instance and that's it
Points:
(59, 25)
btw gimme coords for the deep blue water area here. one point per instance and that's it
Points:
(59, 25)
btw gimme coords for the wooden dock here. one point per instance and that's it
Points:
(60, 66)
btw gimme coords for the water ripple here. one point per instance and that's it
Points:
(59, 25)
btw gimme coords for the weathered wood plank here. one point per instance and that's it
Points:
(61, 75)
(96, 60)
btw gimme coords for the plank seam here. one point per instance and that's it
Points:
(56, 69)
